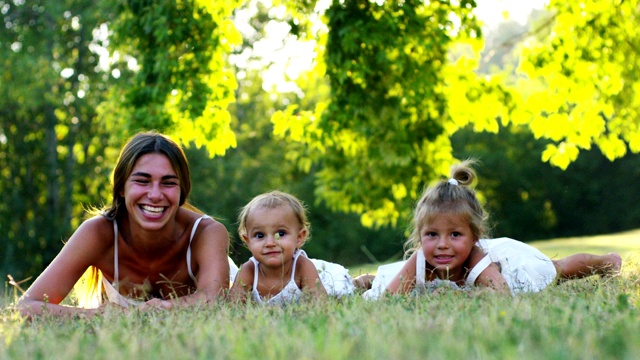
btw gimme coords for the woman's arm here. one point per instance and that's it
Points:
(310, 282)
(242, 284)
(405, 281)
(83, 249)
(210, 248)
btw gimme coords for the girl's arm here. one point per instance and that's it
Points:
(243, 283)
(210, 247)
(85, 247)
(490, 277)
(405, 281)
(310, 282)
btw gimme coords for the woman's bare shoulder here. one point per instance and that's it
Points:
(97, 227)
(95, 235)
(210, 229)
(187, 218)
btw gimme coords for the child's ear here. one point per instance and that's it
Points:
(245, 238)
(302, 237)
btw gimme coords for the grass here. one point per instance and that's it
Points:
(587, 319)
(627, 244)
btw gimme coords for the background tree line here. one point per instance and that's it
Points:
(374, 121)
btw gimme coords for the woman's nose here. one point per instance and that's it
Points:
(154, 192)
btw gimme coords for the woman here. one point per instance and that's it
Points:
(149, 247)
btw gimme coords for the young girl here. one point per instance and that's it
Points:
(446, 251)
(274, 227)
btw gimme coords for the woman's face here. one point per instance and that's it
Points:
(152, 192)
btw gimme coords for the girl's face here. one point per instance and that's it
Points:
(273, 235)
(152, 192)
(447, 241)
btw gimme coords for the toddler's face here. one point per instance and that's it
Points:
(273, 235)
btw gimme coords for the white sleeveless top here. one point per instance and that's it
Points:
(290, 293)
(111, 289)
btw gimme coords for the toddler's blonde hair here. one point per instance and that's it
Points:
(272, 200)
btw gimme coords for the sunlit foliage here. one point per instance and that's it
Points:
(181, 83)
(381, 134)
(588, 65)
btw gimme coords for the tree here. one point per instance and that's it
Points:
(79, 77)
(531, 200)
(175, 53)
(221, 186)
(371, 125)
(52, 152)
(403, 80)
(382, 133)
(586, 63)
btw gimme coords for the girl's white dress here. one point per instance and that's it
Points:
(524, 267)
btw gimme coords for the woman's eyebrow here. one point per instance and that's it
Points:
(147, 175)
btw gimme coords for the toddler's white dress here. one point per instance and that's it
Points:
(334, 277)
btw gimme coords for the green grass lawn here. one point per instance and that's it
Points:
(627, 244)
(586, 319)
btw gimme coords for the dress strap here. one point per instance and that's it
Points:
(193, 232)
(478, 269)
(254, 289)
(296, 255)
(115, 256)
(421, 271)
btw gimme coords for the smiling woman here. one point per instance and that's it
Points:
(148, 248)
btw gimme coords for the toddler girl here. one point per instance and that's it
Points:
(274, 227)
